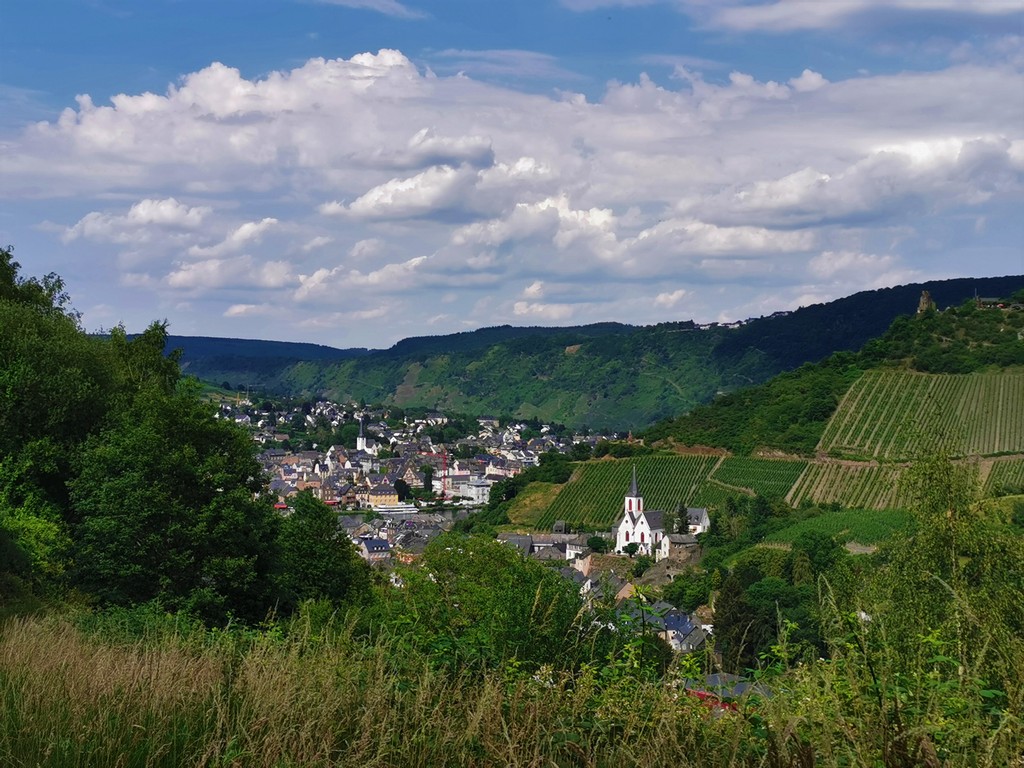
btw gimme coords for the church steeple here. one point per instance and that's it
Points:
(634, 503)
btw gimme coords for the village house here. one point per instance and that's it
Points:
(374, 551)
(678, 546)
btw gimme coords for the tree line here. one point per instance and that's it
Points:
(119, 485)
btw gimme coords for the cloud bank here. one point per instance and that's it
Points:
(353, 196)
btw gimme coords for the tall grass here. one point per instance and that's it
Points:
(313, 697)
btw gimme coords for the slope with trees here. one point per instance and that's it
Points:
(789, 413)
(606, 374)
(118, 482)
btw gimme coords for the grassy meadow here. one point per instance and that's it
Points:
(98, 693)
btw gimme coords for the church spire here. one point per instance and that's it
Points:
(634, 502)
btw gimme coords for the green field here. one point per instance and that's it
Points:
(886, 413)
(865, 485)
(865, 526)
(767, 477)
(1006, 473)
(593, 497)
(713, 494)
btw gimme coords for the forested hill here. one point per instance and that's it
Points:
(789, 413)
(602, 375)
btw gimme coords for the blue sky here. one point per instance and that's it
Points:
(354, 172)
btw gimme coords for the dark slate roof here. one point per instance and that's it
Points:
(682, 539)
(554, 552)
(644, 615)
(574, 575)
(654, 519)
(680, 622)
(694, 514)
(522, 542)
(633, 490)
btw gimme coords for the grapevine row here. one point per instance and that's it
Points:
(594, 496)
(888, 414)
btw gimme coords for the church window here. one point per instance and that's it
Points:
(641, 537)
(627, 535)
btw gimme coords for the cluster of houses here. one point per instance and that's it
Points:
(358, 479)
(367, 476)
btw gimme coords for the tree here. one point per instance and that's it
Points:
(56, 386)
(47, 295)
(821, 550)
(316, 560)
(167, 508)
(599, 544)
(580, 452)
(428, 478)
(475, 602)
(734, 622)
(402, 489)
(643, 562)
(670, 520)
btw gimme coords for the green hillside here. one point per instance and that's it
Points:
(864, 526)
(885, 413)
(602, 375)
(868, 486)
(593, 496)
(767, 477)
(1006, 476)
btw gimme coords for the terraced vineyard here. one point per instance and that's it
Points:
(593, 497)
(712, 494)
(885, 414)
(869, 486)
(1006, 473)
(865, 526)
(768, 477)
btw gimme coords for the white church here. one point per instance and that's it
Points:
(647, 529)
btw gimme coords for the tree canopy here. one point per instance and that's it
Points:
(117, 480)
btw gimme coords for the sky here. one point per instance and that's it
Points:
(355, 172)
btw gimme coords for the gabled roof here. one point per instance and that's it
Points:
(654, 519)
(695, 514)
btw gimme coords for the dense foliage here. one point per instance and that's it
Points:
(118, 484)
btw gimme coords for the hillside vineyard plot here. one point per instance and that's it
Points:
(593, 497)
(865, 485)
(767, 477)
(865, 526)
(1006, 474)
(886, 414)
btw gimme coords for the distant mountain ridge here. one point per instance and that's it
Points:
(954, 373)
(601, 375)
(199, 347)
